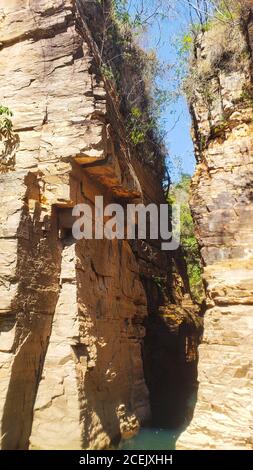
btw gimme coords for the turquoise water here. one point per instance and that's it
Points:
(152, 439)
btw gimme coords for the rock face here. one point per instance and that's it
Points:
(72, 314)
(222, 207)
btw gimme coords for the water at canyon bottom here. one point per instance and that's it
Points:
(152, 439)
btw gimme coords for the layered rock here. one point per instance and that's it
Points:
(72, 313)
(221, 107)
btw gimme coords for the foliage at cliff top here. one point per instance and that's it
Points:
(134, 73)
(180, 193)
(213, 44)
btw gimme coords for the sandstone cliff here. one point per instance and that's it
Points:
(221, 102)
(73, 314)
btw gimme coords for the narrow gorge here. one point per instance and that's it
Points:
(99, 337)
(74, 314)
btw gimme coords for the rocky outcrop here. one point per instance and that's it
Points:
(72, 314)
(222, 111)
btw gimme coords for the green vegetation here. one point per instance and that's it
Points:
(9, 139)
(107, 72)
(218, 46)
(246, 95)
(135, 75)
(122, 15)
(185, 44)
(5, 121)
(138, 127)
(204, 13)
(217, 25)
(180, 193)
(160, 282)
(227, 10)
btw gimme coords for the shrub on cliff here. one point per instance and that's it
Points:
(9, 140)
(216, 43)
(5, 121)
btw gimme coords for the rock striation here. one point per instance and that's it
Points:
(222, 206)
(72, 314)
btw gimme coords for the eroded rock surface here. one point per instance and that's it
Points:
(223, 209)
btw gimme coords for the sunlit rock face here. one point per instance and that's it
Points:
(222, 206)
(72, 314)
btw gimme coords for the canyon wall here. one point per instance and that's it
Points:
(221, 104)
(74, 314)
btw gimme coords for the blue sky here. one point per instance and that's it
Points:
(162, 36)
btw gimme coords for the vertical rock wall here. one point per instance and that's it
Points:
(222, 206)
(72, 314)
